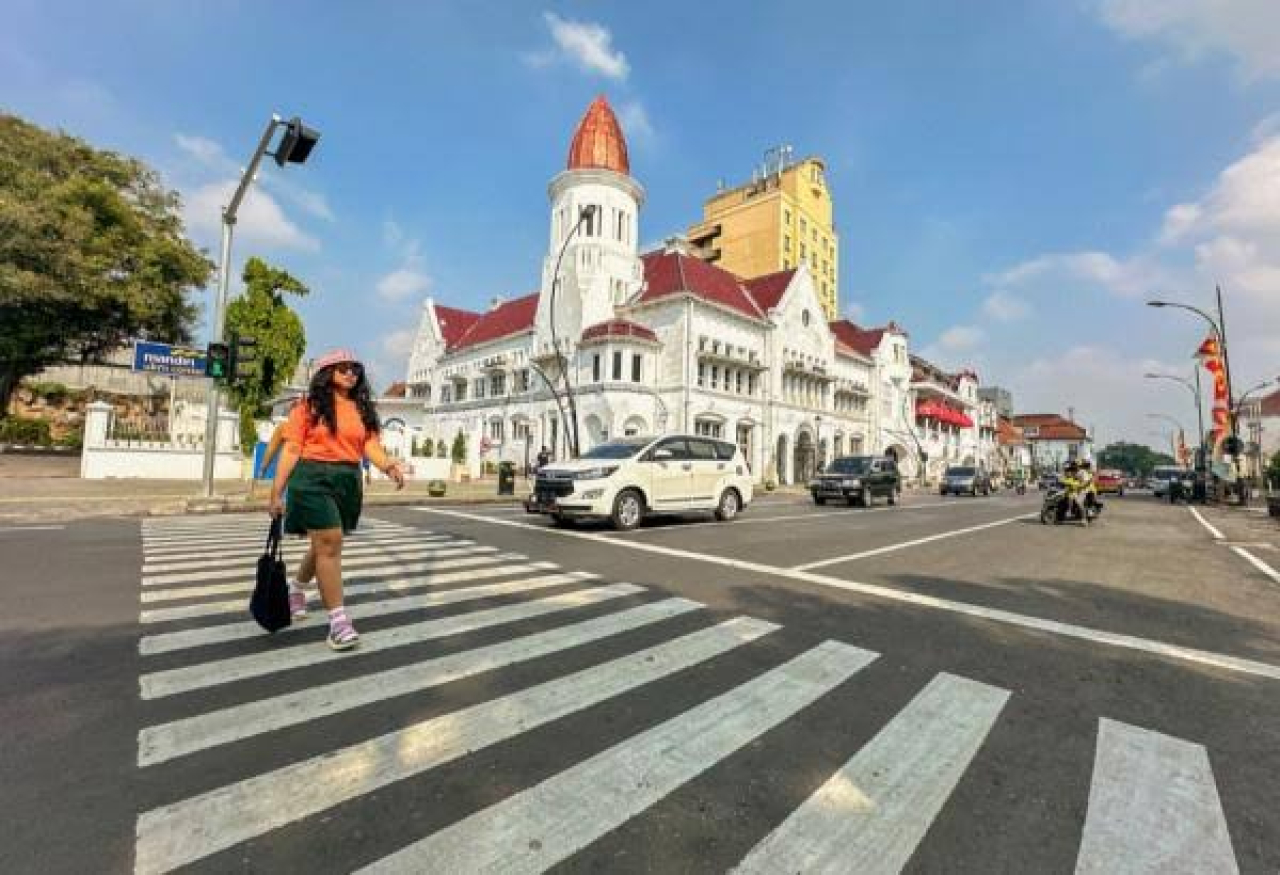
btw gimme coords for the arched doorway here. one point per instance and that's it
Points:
(635, 425)
(806, 456)
(780, 459)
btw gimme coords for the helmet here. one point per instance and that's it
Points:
(1086, 464)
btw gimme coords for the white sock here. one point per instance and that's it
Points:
(296, 585)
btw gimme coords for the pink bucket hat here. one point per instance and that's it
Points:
(335, 357)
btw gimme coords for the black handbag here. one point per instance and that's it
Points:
(269, 603)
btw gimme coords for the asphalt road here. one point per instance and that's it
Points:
(944, 686)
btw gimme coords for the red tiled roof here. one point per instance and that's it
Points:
(454, 323)
(396, 390)
(1049, 426)
(768, 290)
(1008, 434)
(671, 273)
(618, 328)
(598, 141)
(502, 321)
(1270, 404)
(864, 340)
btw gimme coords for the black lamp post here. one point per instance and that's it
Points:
(1219, 331)
(1195, 393)
(583, 215)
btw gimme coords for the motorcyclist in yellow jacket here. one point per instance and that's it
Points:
(1076, 487)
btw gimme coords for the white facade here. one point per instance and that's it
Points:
(656, 343)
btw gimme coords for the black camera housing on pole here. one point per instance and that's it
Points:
(297, 143)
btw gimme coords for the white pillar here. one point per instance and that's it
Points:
(97, 417)
(228, 427)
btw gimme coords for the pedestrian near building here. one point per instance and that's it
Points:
(326, 439)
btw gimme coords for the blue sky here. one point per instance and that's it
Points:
(1010, 178)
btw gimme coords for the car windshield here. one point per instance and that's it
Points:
(852, 465)
(623, 448)
(960, 472)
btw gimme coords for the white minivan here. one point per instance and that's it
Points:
(626, 479)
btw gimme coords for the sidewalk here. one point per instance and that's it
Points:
(56, 499)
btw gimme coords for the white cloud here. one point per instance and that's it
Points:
(1005, 307)
(855, 313)
(399, 343)
(634, 119)
(403, 282)
(210, 155)
(961, 337)
(1246, 30)
(261, 223)
(585, 43)
(205, 151)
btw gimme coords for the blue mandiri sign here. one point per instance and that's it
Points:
(164, 358)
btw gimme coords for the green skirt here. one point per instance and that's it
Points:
(323, 495)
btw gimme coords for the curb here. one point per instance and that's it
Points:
(216, 505)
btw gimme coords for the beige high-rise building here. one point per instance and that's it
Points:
(783, 217)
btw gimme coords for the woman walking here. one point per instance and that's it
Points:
(326, 438)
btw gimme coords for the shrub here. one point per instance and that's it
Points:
(459, 448)
(14, 430)
(73, 439)
(436, 488)
(442, 451)
(54, 393)
(1273, 470)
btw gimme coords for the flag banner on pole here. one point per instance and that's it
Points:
(1210, 355)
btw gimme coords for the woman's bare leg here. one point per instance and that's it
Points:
(326, 558)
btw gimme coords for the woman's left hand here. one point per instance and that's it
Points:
(396, 472)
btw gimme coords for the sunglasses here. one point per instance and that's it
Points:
(349, 368)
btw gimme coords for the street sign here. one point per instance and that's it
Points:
(164, 358)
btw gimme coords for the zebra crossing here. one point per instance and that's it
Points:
(212, 683)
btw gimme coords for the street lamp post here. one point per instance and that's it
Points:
(583, 215)
(295, 146)
(1175, 422)
(1195, 393)
(1219, 331)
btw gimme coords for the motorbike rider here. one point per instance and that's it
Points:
(1075, 487)
(1088, 485)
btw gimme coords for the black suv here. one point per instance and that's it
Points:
(857, 480)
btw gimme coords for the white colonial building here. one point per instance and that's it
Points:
(663, 341)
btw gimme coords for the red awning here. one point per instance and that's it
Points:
(963, 420)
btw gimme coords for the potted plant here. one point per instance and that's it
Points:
(436, 488)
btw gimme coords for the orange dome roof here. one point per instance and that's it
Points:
(598, 141)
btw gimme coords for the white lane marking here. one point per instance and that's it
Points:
(6, 529)
(1258, 563)
(1153, 807)
(850, 512)
(350, 590)
(381, 557)
(872, 813)
(246, 585)
(193, 828)
(167, 642)
(1039, 624)
(203, 559)
(156, 744)
(157, 685)
(542, 826)
(849, 557)
(1217, 535)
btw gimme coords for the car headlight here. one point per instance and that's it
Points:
(851, 484)
(595, 473)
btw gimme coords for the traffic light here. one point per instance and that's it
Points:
(242, 357)
(217, 362)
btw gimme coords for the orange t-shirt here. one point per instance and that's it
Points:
(314, 442)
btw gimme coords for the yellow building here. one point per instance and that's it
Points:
(781, 218)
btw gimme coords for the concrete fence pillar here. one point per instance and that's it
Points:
(228, 425)
(97, 418)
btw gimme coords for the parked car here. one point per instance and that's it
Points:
(857, 480)
(627, 479)
(964, 480)
(1110, 481)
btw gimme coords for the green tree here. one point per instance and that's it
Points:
(1132, 458)
(442, 451)
(92, 253)
(261, 313)
(1273, 470)
(459, 452)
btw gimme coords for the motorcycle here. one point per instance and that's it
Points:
(1059, 507)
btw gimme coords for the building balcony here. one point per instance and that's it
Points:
(749, 363)
(804, 369)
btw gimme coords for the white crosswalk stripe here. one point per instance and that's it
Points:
(1153, 804)
(245, 585)
(869, 817)
(451, 548)
(1153, 808)
(534, 830)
